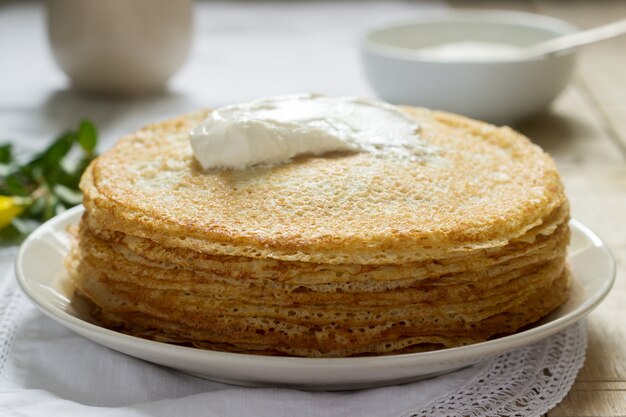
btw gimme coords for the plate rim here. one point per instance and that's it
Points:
(447, 355)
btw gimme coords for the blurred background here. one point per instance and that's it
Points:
(242, 50)
(239, 51)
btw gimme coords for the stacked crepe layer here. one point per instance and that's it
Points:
(352, 254)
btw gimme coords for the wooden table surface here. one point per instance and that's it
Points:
(586, 133)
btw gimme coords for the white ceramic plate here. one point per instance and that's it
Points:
(40, 273)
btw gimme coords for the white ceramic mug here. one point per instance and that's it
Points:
(120, 46)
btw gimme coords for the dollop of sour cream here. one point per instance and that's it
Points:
(471, 51)
(274, 130)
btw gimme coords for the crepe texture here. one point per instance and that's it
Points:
(340, 255)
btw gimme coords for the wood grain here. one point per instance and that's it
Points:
(601, 66)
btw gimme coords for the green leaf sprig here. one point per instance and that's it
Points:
(46, 185)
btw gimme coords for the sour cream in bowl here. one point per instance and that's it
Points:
(469, 62)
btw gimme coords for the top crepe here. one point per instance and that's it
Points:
(480, 187)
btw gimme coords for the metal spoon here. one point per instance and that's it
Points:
(575, 40)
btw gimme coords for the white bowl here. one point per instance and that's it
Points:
(496, 90)
(120, 47)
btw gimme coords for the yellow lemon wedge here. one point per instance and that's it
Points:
(10, 207)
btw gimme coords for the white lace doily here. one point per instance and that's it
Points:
(526, 382)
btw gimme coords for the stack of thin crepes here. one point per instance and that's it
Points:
(332, 256)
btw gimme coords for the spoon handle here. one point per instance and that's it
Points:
(585, 37)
